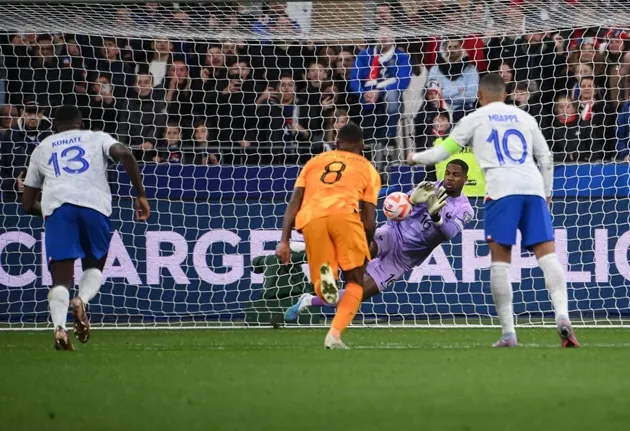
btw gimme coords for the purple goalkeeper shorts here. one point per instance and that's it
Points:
(390, 263)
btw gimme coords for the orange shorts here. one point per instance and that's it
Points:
(338, 240)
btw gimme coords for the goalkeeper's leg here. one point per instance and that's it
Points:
(307, 300)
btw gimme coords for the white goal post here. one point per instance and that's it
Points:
(222, 102)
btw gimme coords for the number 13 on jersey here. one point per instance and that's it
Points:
(77, 153)
(502, 145)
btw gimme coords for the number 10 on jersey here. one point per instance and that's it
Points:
(502, 145)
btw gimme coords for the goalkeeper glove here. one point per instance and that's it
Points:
(422, 193)
(436, 202)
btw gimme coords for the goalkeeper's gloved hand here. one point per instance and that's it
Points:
(436, 202)
(421, 193)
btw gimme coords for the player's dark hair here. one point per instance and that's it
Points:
(350, 134)
(67, 117)
(462, 164)
(492, 83)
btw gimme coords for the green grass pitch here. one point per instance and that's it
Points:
(392, 379)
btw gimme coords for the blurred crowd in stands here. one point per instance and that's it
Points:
(269, 101)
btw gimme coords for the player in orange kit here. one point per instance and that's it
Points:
(325, 208)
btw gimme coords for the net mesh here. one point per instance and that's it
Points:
(222, 102)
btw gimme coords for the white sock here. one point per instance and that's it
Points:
(502, 294)
(306, 303)
(90, 284)
(59, 300)
(556, 284)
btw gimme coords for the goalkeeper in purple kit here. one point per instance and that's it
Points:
(439, 214)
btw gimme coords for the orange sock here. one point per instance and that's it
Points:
(347, 308)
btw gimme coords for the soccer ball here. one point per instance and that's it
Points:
(397, 206)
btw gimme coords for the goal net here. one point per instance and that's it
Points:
(222, 102)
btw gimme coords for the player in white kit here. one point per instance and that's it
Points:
(69, 168)
(507, 143)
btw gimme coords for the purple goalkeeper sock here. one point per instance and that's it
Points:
(319, 302)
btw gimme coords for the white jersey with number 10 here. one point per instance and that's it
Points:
(506, 142)
(71, 168)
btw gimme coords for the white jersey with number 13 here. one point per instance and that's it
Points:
(71, 168)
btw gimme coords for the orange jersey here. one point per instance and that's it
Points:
(334, 182)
